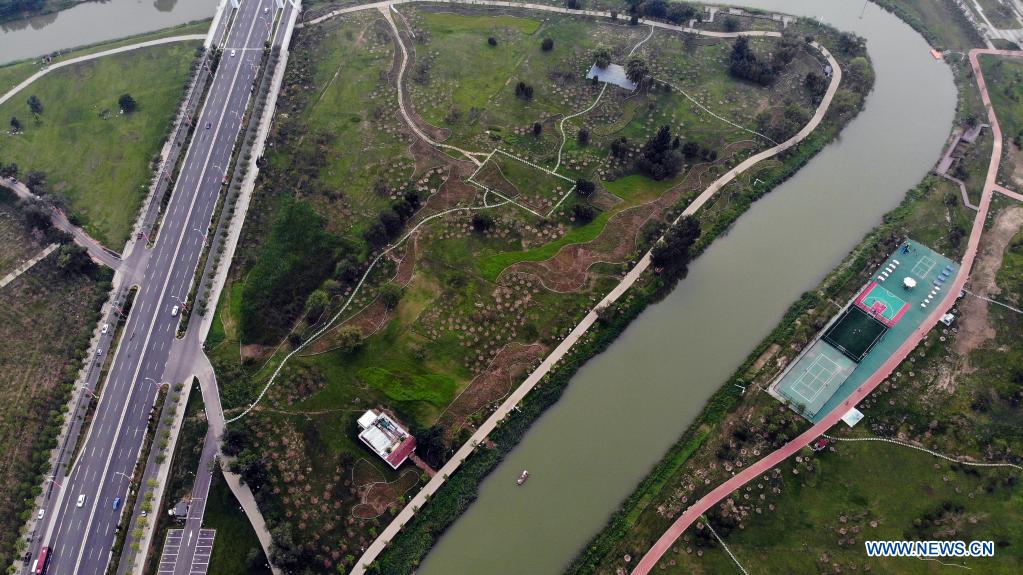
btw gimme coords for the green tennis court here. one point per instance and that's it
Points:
(812, 380)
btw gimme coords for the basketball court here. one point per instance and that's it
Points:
(869, 329)
(882, 304)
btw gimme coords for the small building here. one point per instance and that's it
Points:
(386, 437)
(179, 511)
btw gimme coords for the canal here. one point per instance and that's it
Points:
(94, 22)
(625, 408)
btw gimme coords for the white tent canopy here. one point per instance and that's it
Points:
(909, 282)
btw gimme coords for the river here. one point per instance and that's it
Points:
(94, 22)
(625, 408)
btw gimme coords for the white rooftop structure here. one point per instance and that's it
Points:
(852, 417)
(389, 440)
(613, 74)
(909, 282)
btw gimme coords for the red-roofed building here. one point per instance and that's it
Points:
(386, 437)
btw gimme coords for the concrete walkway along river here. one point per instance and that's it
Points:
(690, 515)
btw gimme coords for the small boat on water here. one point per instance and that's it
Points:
(522, 478)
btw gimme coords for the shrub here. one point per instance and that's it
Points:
(547, 45)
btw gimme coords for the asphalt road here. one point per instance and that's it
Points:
(81, 537)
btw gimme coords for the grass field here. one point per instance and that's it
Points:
(1004, 77)
(97, 159)
(940, 22)
(45, 323)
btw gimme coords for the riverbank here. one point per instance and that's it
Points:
(406, 550)
(722, 441)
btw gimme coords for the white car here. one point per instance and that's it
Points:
(233, 53)
(106, 328)
(40, 514)
(81, 501)
(174, 311)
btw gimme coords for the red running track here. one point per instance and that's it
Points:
(690, 515)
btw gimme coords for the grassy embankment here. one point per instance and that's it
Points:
(104, 181)
(837, 501)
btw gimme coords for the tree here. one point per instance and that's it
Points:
(9, 170)
(602, 58)
(547, 45)
(15, 125)
(584, 137)
(815, 83)
(482, 221)
(35, 105)
(390, 294)
(524, 91)
(745, 65)
(690, 149)
(620, 148)
(584, 188)
(349, 338)
(634, 20)
(636, 70)
(127, 103)
(315, 304)
(673, 254)
(537, 128)
(73, 259)
(573, 4)
(657, 158)
(492, 41)
(731, 24)
(36, 181)
(583, 213)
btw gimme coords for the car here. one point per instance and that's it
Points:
(144, 513)
(233, 52)
(208, 124)
(81, 501)
(106, 328)
(99, 352)
(117, 503)
(266, 10)
(174, 311)
(40, 514)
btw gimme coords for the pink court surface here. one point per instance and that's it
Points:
(885, 306)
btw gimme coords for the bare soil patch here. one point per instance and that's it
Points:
(974, 328)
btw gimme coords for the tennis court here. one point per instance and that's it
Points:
(885, 306)
(811, 381)
(855, 333)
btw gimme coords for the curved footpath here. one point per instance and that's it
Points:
(96, 250)
(690, 515)
(408, 512)
(169, 40)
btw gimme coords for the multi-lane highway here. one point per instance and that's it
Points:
(81, 536)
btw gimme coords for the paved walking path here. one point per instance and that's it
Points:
(705, 503)
(168, 40)
(481, 434)
(100, 253)
(27, 265)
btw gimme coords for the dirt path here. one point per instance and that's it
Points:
(974, 328)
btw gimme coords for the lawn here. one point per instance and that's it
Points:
(96, 159)
(235, 546)
(1004, 78)
(45, 324)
